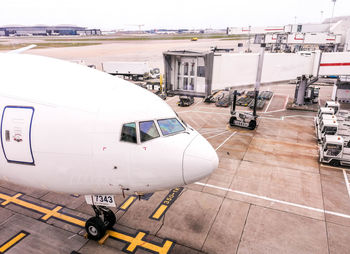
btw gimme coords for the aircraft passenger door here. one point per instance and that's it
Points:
(16, 126)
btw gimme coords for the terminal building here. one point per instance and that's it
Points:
(42, 30)
(331, 35)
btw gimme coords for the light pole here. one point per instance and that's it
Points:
(321, 16)
(332, 15)
(249, 39)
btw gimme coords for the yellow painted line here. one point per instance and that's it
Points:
(138, 242)
(48, 213)
(128, 202)
(9, 199)
(159, 211)
(43, 210)
(14, 240)
(51, 213)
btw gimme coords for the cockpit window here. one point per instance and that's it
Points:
(129, 133)
(170, 126)
(148, 131)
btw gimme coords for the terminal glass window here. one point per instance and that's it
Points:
(129, 133)
(170, 126)
(148, 131)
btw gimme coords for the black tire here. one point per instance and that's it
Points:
(95, 228)
(232, 120)
(252, 124)
(334, 163)
(110, 219)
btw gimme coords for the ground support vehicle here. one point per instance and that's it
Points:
(334, 152)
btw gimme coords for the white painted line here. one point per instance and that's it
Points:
(274, 111)
(299, 116)
(225, 140)
(217, 134)
(172, 98)
(197, 103)
(187, 111)
(268, 105)
(275, 200)
(285, 104)
(346, 182)
(271, 118)
(212, 132)
(206, 112)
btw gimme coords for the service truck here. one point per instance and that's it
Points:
(332, 127)
(322, 111)
(334, 151)
(134, 70)
(336, 106)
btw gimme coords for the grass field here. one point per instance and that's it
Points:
(149, 38)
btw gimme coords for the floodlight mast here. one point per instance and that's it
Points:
(331, 20)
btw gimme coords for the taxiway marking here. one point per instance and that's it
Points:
(211, 131)
(197, 103)
(133, 242)
(217, 135)
(13, 241)
(275, 200)
(127, 203)
(166, 203)
(268, 105)
(225, 141)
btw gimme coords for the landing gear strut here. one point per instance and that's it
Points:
(96, 226)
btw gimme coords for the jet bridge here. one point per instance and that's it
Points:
(199, 74)
(188, 73)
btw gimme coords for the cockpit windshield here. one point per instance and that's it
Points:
(148, 131)
(170, 126)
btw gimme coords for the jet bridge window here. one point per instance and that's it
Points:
(129, 133)
(170, 126)
(148, 131)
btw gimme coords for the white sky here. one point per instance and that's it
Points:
(117, 14)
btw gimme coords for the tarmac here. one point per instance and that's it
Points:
(268, 195)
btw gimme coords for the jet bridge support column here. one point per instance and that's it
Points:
(258, 76)
(301, 91)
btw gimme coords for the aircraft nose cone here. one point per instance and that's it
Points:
(200, 160)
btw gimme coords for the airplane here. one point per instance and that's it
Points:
(72, 129)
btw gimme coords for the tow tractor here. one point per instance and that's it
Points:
(242, 119)
(334, 152)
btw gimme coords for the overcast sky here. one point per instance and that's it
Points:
(116, 14)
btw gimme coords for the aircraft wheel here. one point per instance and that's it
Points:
(232, 120)
(95, 228)
(252, 124)
(335, 163)
(110, 219)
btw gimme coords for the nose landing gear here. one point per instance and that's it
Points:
(96, 226)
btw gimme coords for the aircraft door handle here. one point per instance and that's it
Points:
(7, 135)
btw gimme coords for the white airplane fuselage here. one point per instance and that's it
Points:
(62, 124)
